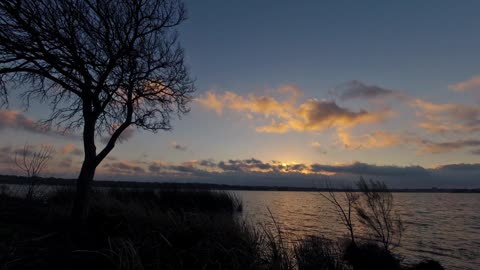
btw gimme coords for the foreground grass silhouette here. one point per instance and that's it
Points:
(170, 229)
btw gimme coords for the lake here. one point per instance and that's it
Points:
(440, 226)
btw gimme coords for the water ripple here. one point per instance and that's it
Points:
(440, 226)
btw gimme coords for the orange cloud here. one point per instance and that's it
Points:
(447, 117)
(263, 105)
(211, 101)
(71, 149)
(377, 139)
(287, 115)
(472, 84)
(17, 120)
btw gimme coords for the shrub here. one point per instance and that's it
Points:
(274, 250)
(318, 253)
(428, 265)
(370, 256)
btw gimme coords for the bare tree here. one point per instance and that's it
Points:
(102, 65)
(372, 206)
(344, 203)
(376, 211)
(32, 163)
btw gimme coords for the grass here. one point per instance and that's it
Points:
(135, 229)
(318, 252)
(148, 202)
(127, 229)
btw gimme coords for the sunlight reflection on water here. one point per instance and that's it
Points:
(441, 226)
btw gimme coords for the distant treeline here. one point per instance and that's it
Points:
(20, 180)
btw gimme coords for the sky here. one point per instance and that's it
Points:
(296, 93)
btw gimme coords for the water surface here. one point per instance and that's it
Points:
(442, 226)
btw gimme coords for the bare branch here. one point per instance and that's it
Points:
(32, 163)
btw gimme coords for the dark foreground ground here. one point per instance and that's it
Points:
(164, 229)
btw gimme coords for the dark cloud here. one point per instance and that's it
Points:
(255, 163)
(178, 146)
(323, 114)
(124, 167)
(256, 172)
(359, 168)
(358, 90)
(245, 165)
(296, 167)
(428, 146)
(207, 163)
(464, 167)
(155, 167)
(231, 165)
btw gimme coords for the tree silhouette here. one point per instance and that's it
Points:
(32, 163)
(101, 65)
(344, 205)
(377, 212)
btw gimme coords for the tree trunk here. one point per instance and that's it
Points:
(81, 203)
(80, 206)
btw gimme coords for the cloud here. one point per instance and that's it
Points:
(275, 127)
(359, 168)
(212, 101)
(464, 167)
(207, 163)
(126, 135)
(287, 115)
(376, 139)
(254, 165)
(16, 120)
(472, 84)
(290, 89)
(257, 172)
(125, 168)
(252, 103)
(316, 144)
(317, 115)
(178, 146)
(447, 117)
(358, 90)
(432, 147)
(156, 167)
(296, 168)
(71, 149)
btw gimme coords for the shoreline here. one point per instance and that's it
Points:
(51, 181)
